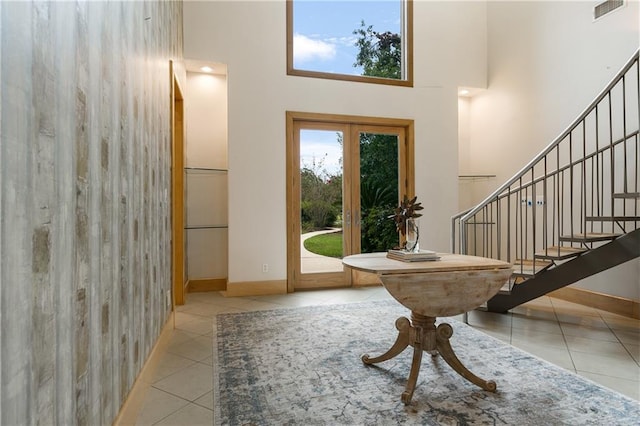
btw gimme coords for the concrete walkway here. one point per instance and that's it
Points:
(312, 262)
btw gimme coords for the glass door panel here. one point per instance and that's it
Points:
(378, 175)
(379, 182)
(321, 196)
(317, 202)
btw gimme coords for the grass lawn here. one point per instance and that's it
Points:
(325, 244)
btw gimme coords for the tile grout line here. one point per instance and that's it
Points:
(564, 337)
(618, 338)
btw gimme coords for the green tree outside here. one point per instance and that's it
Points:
(380, 54)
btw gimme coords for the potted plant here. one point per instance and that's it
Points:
(405, 217)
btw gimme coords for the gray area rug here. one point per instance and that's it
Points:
(302, 367)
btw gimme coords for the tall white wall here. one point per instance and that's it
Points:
(250, 37)
(547, 61)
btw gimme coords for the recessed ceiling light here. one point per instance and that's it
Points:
(206, 69)
(463, 92)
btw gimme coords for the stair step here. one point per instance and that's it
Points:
(559, 252)
(589, 237)
(529, 268)
(505, 289)
(627, 195)
(612, 218)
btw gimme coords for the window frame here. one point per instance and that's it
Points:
(407, 36)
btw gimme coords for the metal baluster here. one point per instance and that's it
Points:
(611, 155)
(583, 178)
(599, 158)
(544, 207)
(533, 219)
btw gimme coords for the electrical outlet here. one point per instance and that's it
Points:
(168, 298)
(265, 267)
(529, 201)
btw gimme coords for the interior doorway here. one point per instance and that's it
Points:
(345, 175)
(177, 191)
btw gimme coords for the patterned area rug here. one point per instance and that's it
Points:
(302, 367)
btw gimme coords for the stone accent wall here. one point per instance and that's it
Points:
(84, 202)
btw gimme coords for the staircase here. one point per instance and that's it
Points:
(571, 212)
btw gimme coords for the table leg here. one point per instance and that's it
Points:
(422, 338)
(402, 341)
(413, 374)
(443, 333)
(422, 334)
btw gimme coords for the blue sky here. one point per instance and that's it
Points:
(321, 147)
(323, 31)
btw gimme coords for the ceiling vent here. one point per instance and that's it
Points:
(606, 7)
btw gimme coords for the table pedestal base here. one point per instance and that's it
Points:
(422, 334)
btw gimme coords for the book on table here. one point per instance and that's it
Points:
(419, 256)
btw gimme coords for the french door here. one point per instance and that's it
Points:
(345, 175)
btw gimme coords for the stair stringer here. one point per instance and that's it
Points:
(618, 251)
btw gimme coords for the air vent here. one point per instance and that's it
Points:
(606, 7)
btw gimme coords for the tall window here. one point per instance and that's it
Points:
(364, 40)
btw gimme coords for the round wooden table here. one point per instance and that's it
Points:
(452, 285)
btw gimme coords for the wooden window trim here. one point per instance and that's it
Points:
(408, 58)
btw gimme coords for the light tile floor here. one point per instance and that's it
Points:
(598, 345)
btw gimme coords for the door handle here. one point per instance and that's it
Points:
(348, 218)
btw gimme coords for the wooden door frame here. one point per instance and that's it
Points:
(177, 190)
(293, 157)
